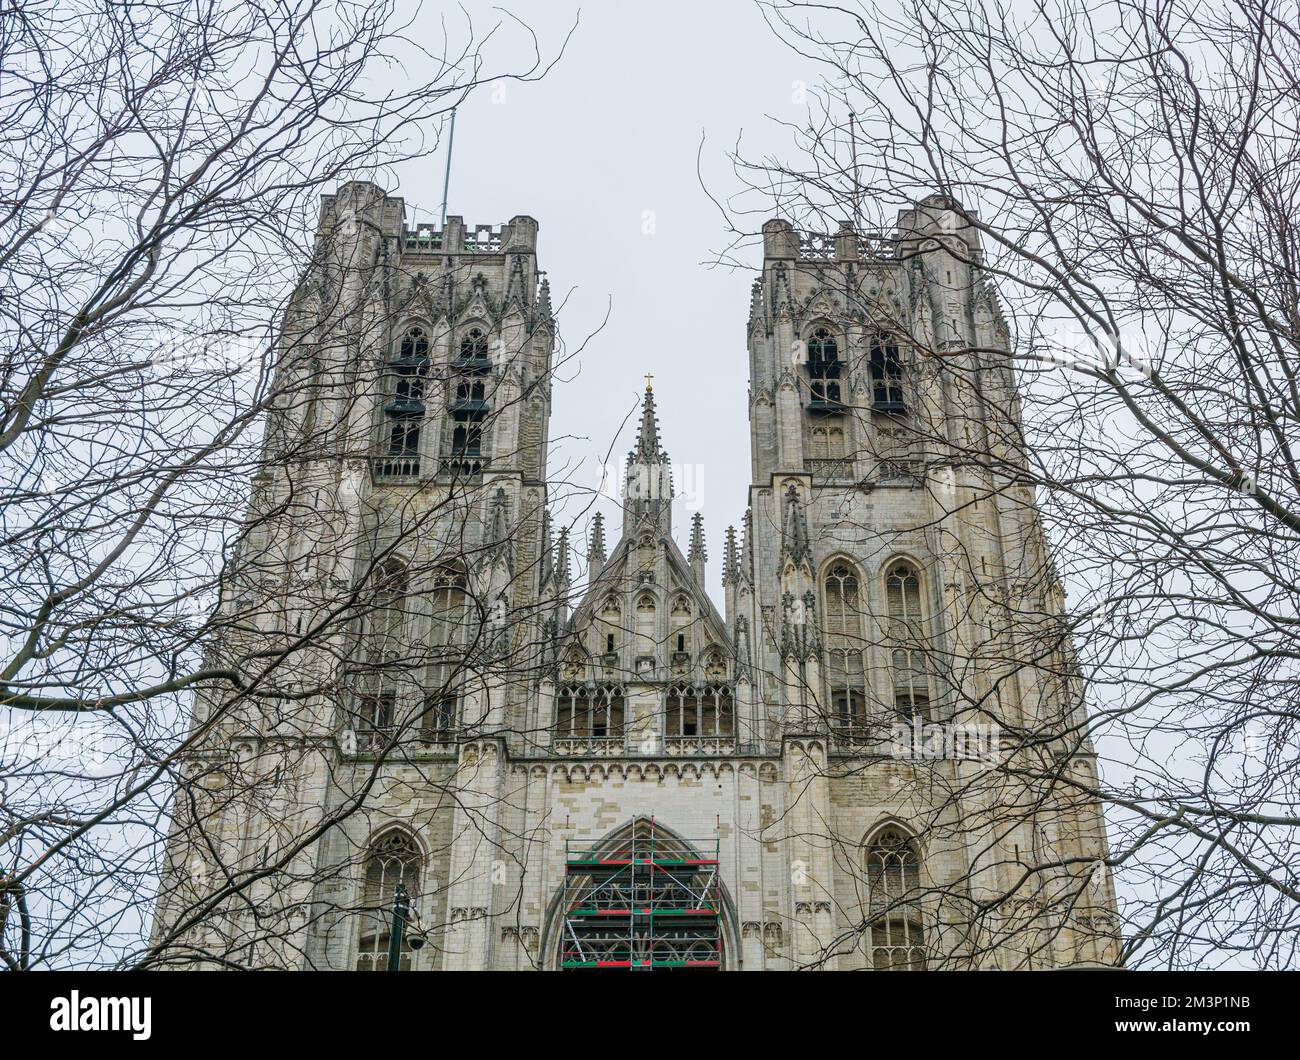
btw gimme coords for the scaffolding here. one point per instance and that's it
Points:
(648, 901)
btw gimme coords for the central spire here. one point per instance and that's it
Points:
(648, 448)
(648, 489)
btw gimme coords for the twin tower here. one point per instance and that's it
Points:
(873, 756)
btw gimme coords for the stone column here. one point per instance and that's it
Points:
(808, 815)
(476, 856)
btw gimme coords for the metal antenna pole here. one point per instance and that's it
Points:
(446, 180)
(853, 140)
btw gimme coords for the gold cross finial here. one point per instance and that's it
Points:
(649, 381)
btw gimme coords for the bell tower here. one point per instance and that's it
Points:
(396, 553)
(894, 567)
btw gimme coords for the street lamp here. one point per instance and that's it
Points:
(401, 910)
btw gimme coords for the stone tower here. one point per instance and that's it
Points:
(604, 771)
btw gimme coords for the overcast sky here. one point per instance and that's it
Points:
(603, 152)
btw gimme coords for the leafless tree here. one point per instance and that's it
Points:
(1122, 184)
(162, 165)
(1129, 173)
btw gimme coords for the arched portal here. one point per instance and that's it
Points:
(644, 899)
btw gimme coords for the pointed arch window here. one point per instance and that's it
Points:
(824, 370)
(909, 676)
(469, 405)
(886, 375)
(903, 593)
(827, 443)
(383, 652)
(610, 628)
(315, 392)
(448, 602)
(404, 412)
(473, 348)
(466, 435)
(844, 645)
(820, 445)
(448, 635)
(680, 617)
(471, 396)
(895, 935)
(645, 627)
(393, 858)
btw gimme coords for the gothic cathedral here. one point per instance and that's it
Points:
(554, 749)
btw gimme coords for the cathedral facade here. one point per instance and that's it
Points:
(548, 735)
